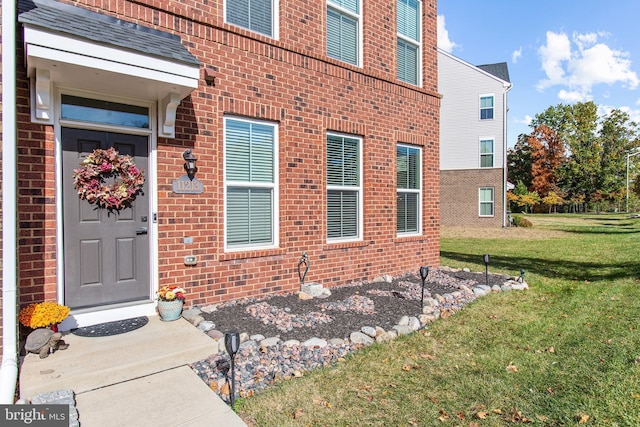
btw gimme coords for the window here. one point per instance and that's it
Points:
(344, 188)
(409, 45)
(343, 30)
(486, 153)
(486, 107)
(486, 201)
(254, 15)
(251, 173)
(409, 196)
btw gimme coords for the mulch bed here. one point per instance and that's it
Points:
(336, 316)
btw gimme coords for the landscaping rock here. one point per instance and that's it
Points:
(215, 334)
(290, 343)
(315, 342)
(337, 342)
(191, 313)
(206, 325)
(404, 321)
(257, 337)
(414, 323)
(360, 338)
(270, 342)
(403, 329)
(368, 330)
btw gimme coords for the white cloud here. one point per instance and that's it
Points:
(516, 55)
(526, 121)
(444, 42)
(582, 62)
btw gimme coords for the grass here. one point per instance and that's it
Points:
(565, 352)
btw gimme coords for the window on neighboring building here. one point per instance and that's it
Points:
(409, 196)
(486, 201)
(409, 41)
(251, 174)
(344, 187)
(343, 30)
(486, 153)
(254, 15)
(486, 107)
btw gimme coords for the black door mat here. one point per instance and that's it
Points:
(112, 328)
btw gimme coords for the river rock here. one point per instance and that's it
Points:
(315, 342)
(360, 338)
(403, 329)
(368, 330)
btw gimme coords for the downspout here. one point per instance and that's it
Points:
(9, 367)
(504, 155)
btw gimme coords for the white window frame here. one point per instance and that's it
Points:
(493, 152)
(275, 186)
(493, 109)
(275, 20)
(417, 191)
(418, 44)
(481, 202)
(356, 16)
(358, 188)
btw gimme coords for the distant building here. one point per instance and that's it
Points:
(473, 141)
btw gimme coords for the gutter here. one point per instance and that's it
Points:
(9, 367)
(504, 155)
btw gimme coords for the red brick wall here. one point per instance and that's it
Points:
(459, 192)
(288, 81)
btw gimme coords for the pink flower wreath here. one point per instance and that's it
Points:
(103, 164)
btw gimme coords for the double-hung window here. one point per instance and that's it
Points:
(486, 201)
(344, 30)
(344, 188)
(409, 41)
(486, 107)
(251, 184)
(259, 16)
(486, 153)
(409, 193)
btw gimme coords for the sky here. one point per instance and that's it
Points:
(561, 51)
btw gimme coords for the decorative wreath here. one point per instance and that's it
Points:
(100, 165)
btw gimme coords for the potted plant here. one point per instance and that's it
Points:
(170, 302)
(45, 314)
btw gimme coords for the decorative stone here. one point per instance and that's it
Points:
(506, 287)
(206, 325)
(479, 292)
(387, 278)
(304, 296)
(425, 319)
(360, 338)
(336, 342)
(270, 342)
(448, 297)
(368, 330)
(191, 313)
(290, 343)
(404, 321)
(380, 331)
(414, 323)
(384, 337)
(244, 337)
(257, 337)
(466, 270)
(248, 344)
(495, 288)
(315, 342)
(215, 334)
(520, 286)
(313, 289)
(392, 333)
(403, 329)
(485, 288)
(466, 289)
(209, 309)
(439, 298)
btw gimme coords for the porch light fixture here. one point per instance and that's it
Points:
(424, 272)
(190, 163)
(485, 259)
(232, 344)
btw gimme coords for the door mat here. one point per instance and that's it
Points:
(111, 328)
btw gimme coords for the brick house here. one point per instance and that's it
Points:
(473, 142)
(314, 123)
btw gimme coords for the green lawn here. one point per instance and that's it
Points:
(565, 352)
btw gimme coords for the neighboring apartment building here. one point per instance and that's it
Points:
(473, 141)
(315, 125)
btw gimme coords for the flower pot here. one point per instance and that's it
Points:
(170, 310)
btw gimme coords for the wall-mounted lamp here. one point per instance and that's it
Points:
(190, 163)
(209, 77)
(485, 258)
(232, 344)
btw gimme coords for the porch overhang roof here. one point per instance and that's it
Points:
(75, 48)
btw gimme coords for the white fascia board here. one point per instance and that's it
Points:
(58, 47)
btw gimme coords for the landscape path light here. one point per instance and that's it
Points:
(485, 258)
(522, 275)
(232, 344)
(424, 272)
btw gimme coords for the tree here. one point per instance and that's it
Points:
(552, 199)
(519, 161)
(548, 155)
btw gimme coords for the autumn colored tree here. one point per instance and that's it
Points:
(548, 154)
(552, 199)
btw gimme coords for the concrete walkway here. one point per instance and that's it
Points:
(140, 378)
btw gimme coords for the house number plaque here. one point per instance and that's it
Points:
(186, 185)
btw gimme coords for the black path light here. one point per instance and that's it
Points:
(485, 258)
(232, 344)
(424, 272)
(521, 275)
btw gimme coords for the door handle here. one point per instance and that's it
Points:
(142, 230)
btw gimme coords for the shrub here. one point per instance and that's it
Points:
(521, 221)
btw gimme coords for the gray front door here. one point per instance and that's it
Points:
(106, 255)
